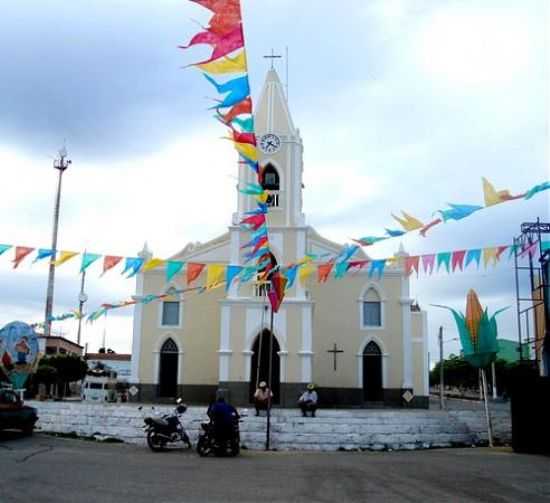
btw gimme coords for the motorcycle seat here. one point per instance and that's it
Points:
(159, 422)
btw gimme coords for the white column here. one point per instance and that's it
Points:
(406, 302)
(224, 353)
(180, 367)
(306, 353)
(282, 365)
(137, 331)
(300, 253)
(426, 370)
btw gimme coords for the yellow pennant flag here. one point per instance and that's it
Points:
(152, 264)
(490, 255)
(64, 255)
(262, 198)
(215, 276)
(247, 150)
(491, 195)
(225, 65)
(305, 271)
(409, 223)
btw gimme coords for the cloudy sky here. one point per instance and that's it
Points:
(401, 104)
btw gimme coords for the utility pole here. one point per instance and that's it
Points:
(61, 164)
(441, 361)
(494, 376)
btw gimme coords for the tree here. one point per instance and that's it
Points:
(69, 368)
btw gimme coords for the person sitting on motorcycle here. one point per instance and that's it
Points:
(222, 415)
(262, 397)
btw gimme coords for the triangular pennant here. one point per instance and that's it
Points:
(173, 267)
(501, 250)
(340, 270)
(473, 256)
(231, 273)
(323, 271)
(43, 253)
(215, 276)
(444, 258)
(305, 271)
(428, 263)
(291, 275)
(20, 253)
(458, 259)
(64, 256)
(489, 255)
(377, 266)
(132, 266)
(110, 261)
(5, 248)
(412, 264)
(152, 263)
(87, 260)
(194, 271)
(357, 264)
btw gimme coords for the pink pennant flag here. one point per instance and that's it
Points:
(412, 264)
(501, 250)
(529, 249)
(357, 265)
(20, 253)
(428, 263)
(458, 259)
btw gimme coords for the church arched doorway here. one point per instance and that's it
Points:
(168, 369)
(259, 370)
(372, 373)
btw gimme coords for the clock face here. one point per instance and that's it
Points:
(270, 143)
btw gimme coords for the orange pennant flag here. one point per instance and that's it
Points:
(20, 253)
(323, 271)
(109, 261)
(193, 271)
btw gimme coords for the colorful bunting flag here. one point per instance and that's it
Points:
(473, 256)
(231, 273)
(458, 259)
(444, 258)
(173, 267)
(408, 222)
(5, 248)
(377, 267)
(87, 260)
(132, 266)
(305, 271)
(20, 253)
(412, 264)
(290, 274)
(215, 276)
(428, 263)
(489, 255)
(43, 253)
(194, 271)
(323, 271)
(110, 261)
(226, 64)
(64, 256)
(152, 264)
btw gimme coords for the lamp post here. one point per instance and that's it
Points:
(61, 164)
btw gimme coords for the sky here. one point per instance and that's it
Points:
(401, 105)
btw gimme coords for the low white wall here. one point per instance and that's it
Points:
(330, 430)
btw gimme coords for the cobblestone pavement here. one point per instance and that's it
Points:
(48, 469)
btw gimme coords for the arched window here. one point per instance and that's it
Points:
(372, 309)
(270, 178)
(169, 346)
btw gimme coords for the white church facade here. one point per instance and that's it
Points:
(361, 340)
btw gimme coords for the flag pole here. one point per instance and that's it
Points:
(270, 372)
(487, 415)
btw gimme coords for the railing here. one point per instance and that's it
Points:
(262, 288)
(272, 198)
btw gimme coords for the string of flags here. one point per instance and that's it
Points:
(491, 196)
(227, 71)
(218, 275)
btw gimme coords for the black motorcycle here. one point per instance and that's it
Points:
(209, 441)
(167, 429)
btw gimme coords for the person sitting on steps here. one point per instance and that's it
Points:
(262, 397)
(308, 401)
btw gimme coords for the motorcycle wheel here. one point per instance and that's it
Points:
(154, 442)
(203, 447)
(235, 448)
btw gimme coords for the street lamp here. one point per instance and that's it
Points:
(61, 164)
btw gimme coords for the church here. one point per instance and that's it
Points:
(360, 339)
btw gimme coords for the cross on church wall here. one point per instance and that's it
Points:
(335, 352)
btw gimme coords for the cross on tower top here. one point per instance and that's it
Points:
(273, 57)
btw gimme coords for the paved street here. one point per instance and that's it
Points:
(48, 469)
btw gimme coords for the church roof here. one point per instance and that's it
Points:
(272, 113)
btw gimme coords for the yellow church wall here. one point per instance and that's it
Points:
(294, 342)
(198, 333)
(336, 312)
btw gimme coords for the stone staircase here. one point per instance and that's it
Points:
(372, 429)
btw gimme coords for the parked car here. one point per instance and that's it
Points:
(14, 415)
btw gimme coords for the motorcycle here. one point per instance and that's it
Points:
(167, 429)
(208, 443)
